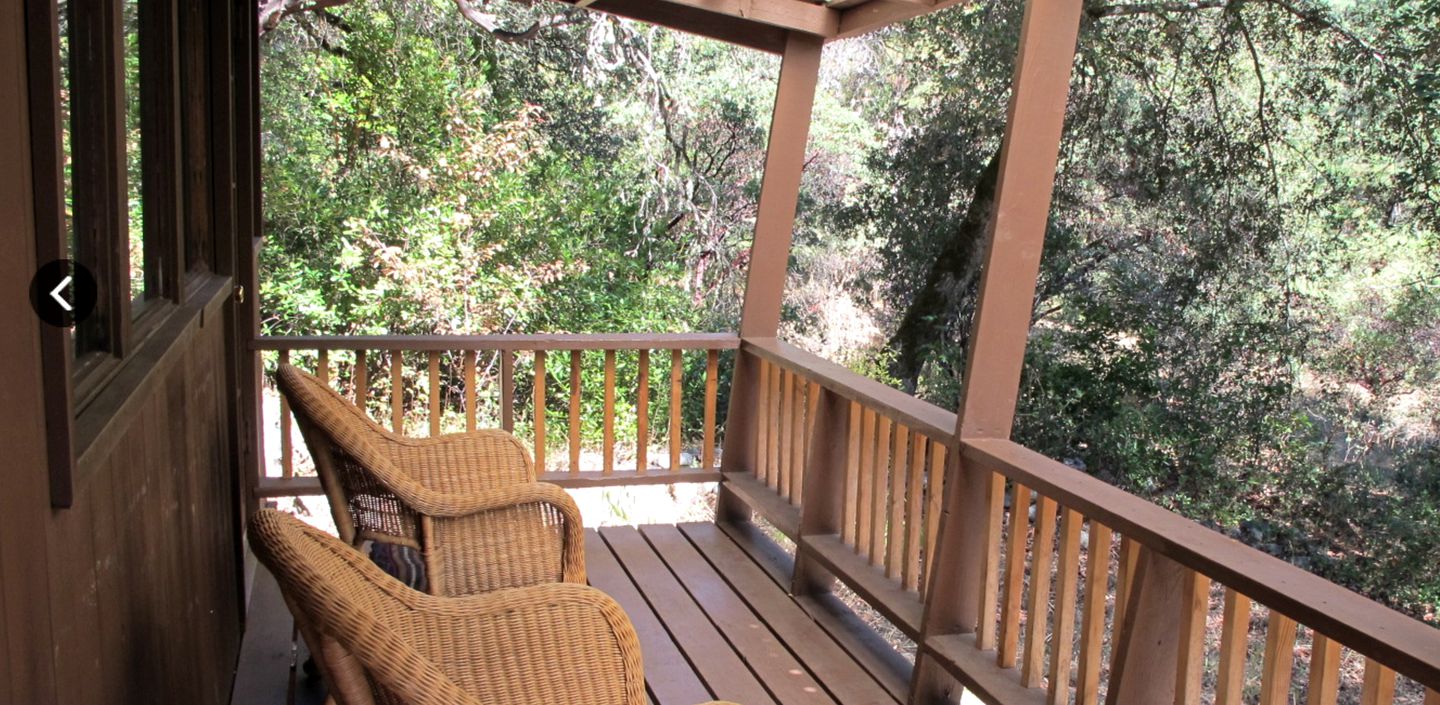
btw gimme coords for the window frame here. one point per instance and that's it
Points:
(114, 349)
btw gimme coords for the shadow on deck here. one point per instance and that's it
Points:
(713, 616)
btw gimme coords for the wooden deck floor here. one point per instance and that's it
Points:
(714, 623)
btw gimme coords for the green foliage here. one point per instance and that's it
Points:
(1238, 313)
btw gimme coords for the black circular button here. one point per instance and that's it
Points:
(63, 293)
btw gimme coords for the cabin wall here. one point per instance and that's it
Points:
(133, 593)
(143, 576)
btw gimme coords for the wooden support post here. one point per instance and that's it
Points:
(741, 434)
(780, 187)
(769, 255)
(822, 506)
(968, 533)
(1147, 645)
(539, 423)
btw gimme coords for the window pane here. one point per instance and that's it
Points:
(133, 145)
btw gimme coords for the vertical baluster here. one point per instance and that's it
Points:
(787, 431)
(642, 413)
(397, 392)
(934, 496)
(362, 380)
(539, 412)
(1092, 631)
(322, 365)
(1124, 579)
(467, 370)
(608, 444)
(895, 517)
(676, 369)
(852, 476)
(1067, 575)
(1279, 660)
(880, 490)
(1234, 643)
(762, 424)
(992, 526)
(287, 464)
(1042, 553)
(799, 440)
(1379, 684)
(574, 411)
(772, 449)
(1324, 688)
(507, 390)
(1190, 657)
(436, 396)
(866, 484)
(712, 395)
(914, 520)
(812, 412)
(1014, 576)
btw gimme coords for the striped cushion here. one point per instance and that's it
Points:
(401, 562)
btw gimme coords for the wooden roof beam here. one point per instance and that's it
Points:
(758, 24)
(875, 14)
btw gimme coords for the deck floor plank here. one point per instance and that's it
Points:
(749, 633)
(840, 674)
(669, 677)
(714, 659)
(712, 622)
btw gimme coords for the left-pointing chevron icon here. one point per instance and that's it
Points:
(55, 294)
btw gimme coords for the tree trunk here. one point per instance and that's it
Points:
(950, 288)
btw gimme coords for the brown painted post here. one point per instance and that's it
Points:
(822, 509)
(1015, 238)
(770, 253)
(780, 188)
(27, 655)
(1147, 644)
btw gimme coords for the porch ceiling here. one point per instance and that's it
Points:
(763, 24)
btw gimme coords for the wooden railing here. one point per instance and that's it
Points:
(1053, 586)
(434, 384)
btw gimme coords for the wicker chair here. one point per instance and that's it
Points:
(381, 643)
(469, 503)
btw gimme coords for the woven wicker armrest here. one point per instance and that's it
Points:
(509, 537)
(447, 463)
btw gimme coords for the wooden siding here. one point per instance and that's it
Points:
(143, 572)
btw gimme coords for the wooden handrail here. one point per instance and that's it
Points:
(919, 415)
(1389, 637)
(505, 341)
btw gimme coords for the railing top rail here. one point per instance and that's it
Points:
(921, 416)
(1394, 639)
(542, 341)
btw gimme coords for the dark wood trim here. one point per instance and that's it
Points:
(51, 236)
(102, 423)
(97, 139)
(194, 138)
(161, 157)
(223, 136)
(27, 656)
